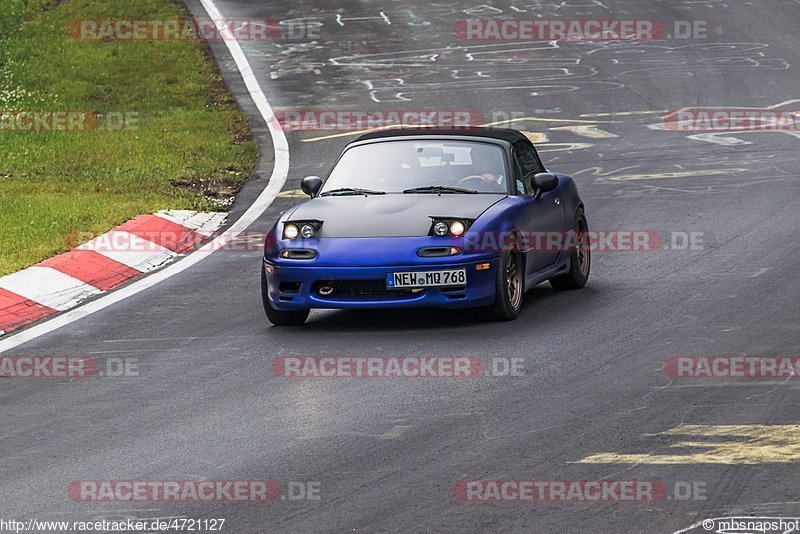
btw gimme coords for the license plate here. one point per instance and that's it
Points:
(455, 277)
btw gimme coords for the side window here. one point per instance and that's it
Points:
(528, 163)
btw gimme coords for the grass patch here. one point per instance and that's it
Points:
(184, 141)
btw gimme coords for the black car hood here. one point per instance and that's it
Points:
(391, 215)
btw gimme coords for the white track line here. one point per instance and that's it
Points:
(276, 182)
(48, 287)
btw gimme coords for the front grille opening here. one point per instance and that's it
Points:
(286, 299)
(358, 289)
(289, 287)
(457, 297)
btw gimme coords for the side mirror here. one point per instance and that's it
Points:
(544, 182)
(311, 185)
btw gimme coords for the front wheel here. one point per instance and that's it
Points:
(509, 288)
(278, 317)
(580, 258)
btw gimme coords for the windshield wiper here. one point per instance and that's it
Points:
(352, 191)
(440, 189)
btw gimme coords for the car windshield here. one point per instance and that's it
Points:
(419, 167)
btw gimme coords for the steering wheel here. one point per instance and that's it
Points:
(481, 184)
(473, 178)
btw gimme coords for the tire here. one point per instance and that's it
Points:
(278, 317)
(509, 287)
(580, 259)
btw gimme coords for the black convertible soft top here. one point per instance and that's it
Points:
(505, 134)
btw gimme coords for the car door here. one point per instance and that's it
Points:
(543, 216)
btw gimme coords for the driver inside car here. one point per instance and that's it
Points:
(487, 166)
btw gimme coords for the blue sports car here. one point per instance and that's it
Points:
(427, 218)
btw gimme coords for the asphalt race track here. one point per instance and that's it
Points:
(594, 401)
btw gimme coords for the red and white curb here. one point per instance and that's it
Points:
(129, 250)
(280, 172)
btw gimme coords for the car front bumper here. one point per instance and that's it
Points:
(296, 287)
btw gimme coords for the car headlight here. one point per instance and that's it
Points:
(457, 228)
(447, 226)
(290, 231)
(441, 228)
(307, 231)
(301, 229)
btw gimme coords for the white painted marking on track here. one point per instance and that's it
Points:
(396, 432)
(48, 287)
(130, 249)
(277, 180)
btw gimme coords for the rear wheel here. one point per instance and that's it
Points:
(509, 287)
(580, 259)
(278, 317)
